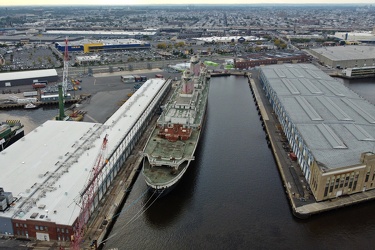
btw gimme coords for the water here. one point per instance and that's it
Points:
(232, 197)
(363, 87)
(30, 118)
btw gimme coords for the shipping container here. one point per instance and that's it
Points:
(49, 98)
(30, 93)
(27, 100)
(40, 84)
(128, 79)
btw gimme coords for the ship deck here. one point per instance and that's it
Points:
(166, 154)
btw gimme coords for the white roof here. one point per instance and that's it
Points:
(228, 38)
(105, 42)
(98, 32)
(27, 74)
(355, 36)
(350, 52)
(50, 166)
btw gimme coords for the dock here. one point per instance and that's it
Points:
(105, 215)
(302, 201)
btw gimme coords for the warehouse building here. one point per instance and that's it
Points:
(343, 57)
(367, 37)
(267, 58)
(27, 77)
(46, 175)
(330, 129)
(88, 46)
(100, 33)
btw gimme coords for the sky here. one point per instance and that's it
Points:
(135, 2)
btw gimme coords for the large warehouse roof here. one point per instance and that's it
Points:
(98, 32)
(351, 52)
(104, 42)
(32, 74)
(336, 124)
(355, 36)
(49, 167)
(228, 38)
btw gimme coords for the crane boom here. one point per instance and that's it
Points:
(66, 68)
(88, 194)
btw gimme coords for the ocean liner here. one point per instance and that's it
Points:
(171, 146)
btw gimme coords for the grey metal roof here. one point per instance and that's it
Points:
(352, 52)
(11, 76)
(336, 124)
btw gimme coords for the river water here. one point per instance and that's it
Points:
(232, 197)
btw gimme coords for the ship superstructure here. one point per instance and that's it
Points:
(172, 144)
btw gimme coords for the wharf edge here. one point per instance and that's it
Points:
(303, 206)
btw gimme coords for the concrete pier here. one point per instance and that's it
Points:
(302, 201)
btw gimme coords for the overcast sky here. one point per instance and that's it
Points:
(132, 2)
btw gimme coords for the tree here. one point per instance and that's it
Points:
(179, 44)
(277, 42)
(161, 46)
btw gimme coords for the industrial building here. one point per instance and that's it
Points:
(27, 77)
(343, 57)
(367, 37)
(99, 33)
(87, 46)
(87, 59)
(330, 129)
(269, 58)
(47, 176)
(229, 39)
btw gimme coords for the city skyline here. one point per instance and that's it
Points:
(182, 2)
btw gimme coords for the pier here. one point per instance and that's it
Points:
(302, 201)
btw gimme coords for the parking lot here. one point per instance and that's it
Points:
(31, 57)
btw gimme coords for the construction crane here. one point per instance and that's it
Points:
(66, 68)
(88, 194)
(63, 87)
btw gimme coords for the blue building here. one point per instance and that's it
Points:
(88, 46)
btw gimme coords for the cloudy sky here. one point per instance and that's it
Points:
(132, 2)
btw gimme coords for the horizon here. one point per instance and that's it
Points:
(47, 3)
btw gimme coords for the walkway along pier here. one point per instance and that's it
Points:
(302, 201)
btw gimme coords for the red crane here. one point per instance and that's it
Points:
(88, 195)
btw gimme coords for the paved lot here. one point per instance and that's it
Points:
(13, 244)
